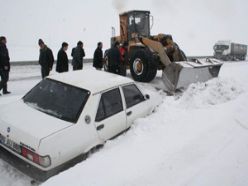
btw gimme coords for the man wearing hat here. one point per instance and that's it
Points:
(46, 59)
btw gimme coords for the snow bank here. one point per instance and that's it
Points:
(199, 138)
(213, 92)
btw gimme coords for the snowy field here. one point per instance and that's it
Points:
(198, 138)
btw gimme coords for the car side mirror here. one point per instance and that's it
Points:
(147, 96)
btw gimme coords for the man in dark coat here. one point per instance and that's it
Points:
(62, 59)
(114, 58)
(4, 65)
(46, 59)
(77, 56)
(98, 57)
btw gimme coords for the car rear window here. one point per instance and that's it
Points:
(57, 99)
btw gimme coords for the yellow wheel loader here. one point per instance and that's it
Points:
(147, 54)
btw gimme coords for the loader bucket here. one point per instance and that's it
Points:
(180, 75)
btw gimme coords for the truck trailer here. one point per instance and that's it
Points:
(229, 51)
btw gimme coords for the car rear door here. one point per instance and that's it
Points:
(136, 104)
(111, 117)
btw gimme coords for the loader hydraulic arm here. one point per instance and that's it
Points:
(172, 70)
(156, 47)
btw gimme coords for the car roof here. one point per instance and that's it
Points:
(90, 79)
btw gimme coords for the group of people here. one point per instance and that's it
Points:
(116, 55)
(46, 59)
(117, 58)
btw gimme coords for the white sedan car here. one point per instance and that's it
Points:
(66, 115)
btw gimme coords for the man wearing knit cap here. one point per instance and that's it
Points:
(46, 59)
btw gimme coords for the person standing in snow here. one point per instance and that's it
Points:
(62, 59)
(77, 56)
(114, 58)
(4, 65)
(124, 58)
(98, 57)
(46, 59)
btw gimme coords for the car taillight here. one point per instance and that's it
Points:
(44, 161)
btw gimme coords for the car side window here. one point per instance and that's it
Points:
(132, 95)
(110, 104)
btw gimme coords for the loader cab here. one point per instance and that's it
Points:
(134, 22)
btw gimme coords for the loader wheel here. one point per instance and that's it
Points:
(152, 72)
(184, 57)
(142, 66)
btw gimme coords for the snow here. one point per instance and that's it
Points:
(92, 80)
(196, 138)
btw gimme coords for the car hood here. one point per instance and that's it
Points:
(23, 124)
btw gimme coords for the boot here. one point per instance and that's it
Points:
(6, 92)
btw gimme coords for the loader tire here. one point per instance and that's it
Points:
(151, 73)
(142, 66)
(184, 57)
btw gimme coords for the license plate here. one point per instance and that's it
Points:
(9, 143)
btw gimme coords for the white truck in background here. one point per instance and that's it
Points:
(228, 51)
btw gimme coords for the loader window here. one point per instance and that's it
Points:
(139, 23)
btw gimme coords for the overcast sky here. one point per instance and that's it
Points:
(195, 24)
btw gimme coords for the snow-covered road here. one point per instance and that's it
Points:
(198, 138)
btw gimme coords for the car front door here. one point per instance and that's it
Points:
(136, 104)
(111, 117)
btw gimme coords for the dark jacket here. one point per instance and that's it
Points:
(98, 58)
(114, 57)
(4, 57)
(46, 58)
(62, 61)
(77, 56)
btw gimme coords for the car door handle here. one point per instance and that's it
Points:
(129, 113)
(100, 127)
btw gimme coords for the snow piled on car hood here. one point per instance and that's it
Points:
(197, 138)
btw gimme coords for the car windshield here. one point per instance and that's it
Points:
(57, 99)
